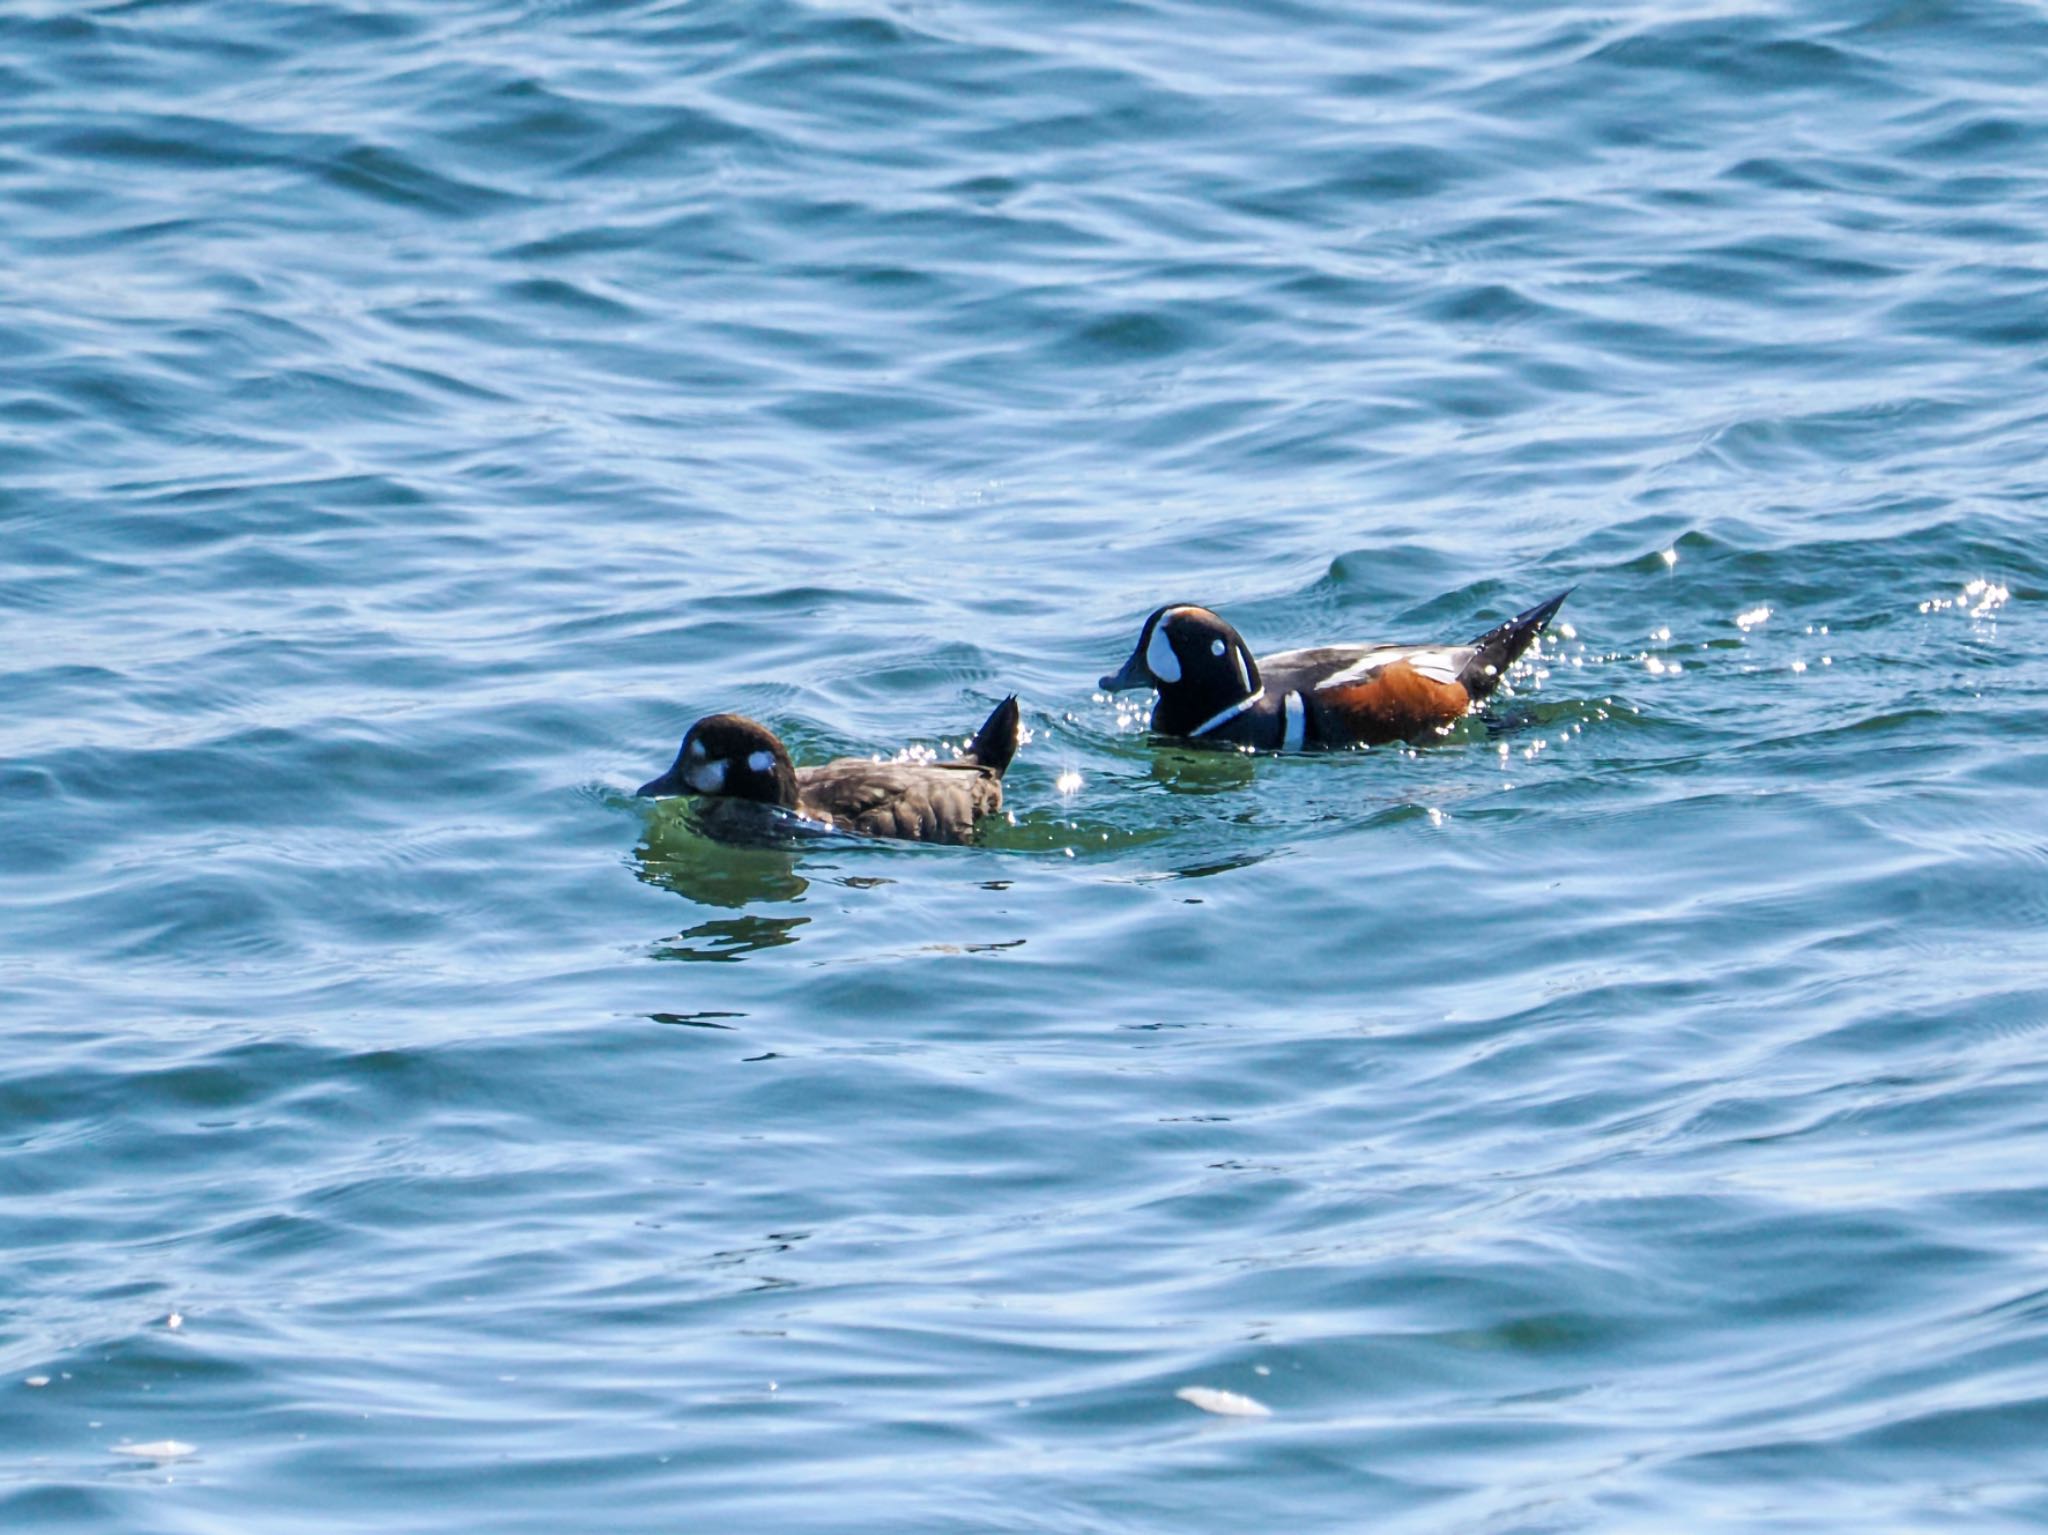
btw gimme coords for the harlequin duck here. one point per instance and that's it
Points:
(1211, 690)
(747, 783)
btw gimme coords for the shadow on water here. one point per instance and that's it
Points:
(676, 855)
(1186, 770)
(703, 1020)
(730, 938)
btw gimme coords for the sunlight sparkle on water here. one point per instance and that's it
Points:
(1068, 782)
(1133, 710)
(1980, 599)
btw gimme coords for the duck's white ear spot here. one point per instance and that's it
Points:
(706, 777)
(1159, 657)
(1217, 647)
(761, 762)
(697, 750)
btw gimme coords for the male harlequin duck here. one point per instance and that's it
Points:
(746, 780)
(1211, 690)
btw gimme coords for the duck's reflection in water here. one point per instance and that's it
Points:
(729, 938)
(1181, 770)
(677, 855)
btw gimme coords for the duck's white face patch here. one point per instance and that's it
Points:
(1159, 657)
(704, 777)
(697, 750)
(761, 762)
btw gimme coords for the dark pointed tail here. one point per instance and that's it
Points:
(1499, 648)
(996, 742)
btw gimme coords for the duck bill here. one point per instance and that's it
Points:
(670, 782)
(1133, 675)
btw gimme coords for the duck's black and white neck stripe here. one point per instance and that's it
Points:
(1223, 717)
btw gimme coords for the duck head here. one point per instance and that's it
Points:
(1195, 661)
(732, 756)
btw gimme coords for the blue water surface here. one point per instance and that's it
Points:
(1626, 1113)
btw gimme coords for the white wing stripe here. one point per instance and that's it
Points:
(1438, 663)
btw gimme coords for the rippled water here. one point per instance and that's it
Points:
(1625, 1114)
